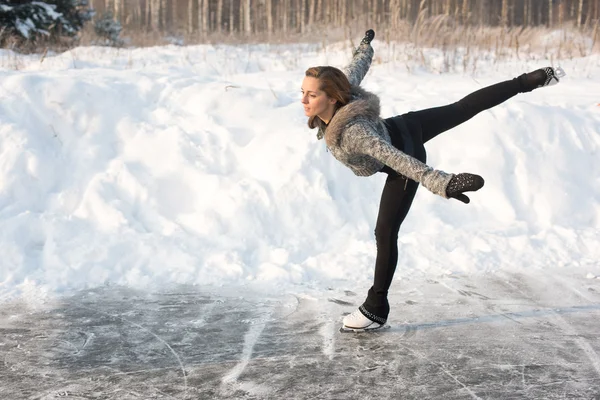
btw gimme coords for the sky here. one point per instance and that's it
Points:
(194, 166)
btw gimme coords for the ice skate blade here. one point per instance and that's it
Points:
(345, 329)
(559, 72)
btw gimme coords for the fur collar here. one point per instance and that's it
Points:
(364, 105)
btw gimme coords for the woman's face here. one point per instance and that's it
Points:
(315, 101)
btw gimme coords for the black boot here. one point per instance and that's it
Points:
(539, 78)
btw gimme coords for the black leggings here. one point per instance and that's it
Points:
(399, 191)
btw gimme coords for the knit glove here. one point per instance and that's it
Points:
(463, 183)
(369, 36)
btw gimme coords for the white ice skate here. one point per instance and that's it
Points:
(357, 322)
(553, 76)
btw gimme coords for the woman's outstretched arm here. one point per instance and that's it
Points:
(361, 60)
(360, 141)
(357, 140)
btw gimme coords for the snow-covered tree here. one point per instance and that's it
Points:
(109, 29)
(51, 19)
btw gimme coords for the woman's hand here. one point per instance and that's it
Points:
(463, 183)
(369, 36)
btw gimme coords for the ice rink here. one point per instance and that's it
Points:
(495, 336)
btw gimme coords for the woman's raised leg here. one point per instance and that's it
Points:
(436, 120)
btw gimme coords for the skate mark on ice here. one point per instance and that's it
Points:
(444, 370)
(510, 318)
(502, 312)
(207, 312)
(409, 331)
(296, 306)
(340, 302)
(349, 293)
(183, 371)
(470, 293)
(582, 343)
(513, 316)
(87, 338)
(328, 330)
(586, 296)
(466, 293)
(250, 339)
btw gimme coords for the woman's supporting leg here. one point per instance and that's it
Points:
(436, 120)
(396, 199)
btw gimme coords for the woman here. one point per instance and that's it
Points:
(348, 118)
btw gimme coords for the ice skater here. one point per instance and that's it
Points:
(347, 116)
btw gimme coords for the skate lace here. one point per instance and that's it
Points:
(549, 76)
(371, 316)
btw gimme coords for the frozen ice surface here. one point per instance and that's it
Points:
(488, 336)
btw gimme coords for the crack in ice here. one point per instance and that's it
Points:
(151, 333)
(444, 370)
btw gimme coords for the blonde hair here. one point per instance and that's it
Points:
(334, 83)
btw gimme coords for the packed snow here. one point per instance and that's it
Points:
(194, 165)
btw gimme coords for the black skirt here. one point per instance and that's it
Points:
(407, 137)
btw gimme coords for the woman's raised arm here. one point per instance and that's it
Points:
(361, 60)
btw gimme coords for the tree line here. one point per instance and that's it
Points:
(34, 23)
(204, 18)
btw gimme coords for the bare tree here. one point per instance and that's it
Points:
(283, 15)
(446, 8)
(205, 14)
(394, 14)
(269, 12)
(203, 18)
(341, 13)
(311, 12)
(504, 13)
(302, 16)
(319, 11)
(154, 16)
(118, 10)
(247, 22)
(561, 13)
(231, 18)
(190, 17)
(138, 15)
(162, 15)
(527, 12)
(219, 21)
(373, 12)
(465, 12)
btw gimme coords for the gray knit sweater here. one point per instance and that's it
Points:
(357, 136)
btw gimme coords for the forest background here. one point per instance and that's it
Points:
(435, 23)
(485, 24)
